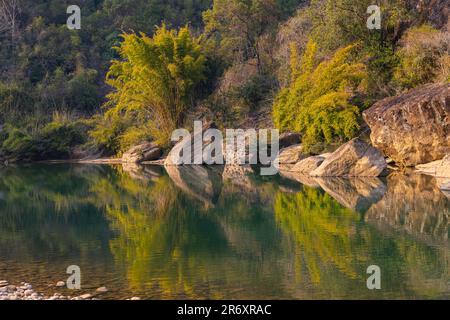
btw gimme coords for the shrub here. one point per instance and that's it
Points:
(424, 57)
(317, 103)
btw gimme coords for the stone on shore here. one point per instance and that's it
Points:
(101, 290)
(148, 151)
(60, 284)
(356, 158)
(412, 128)
(175, 156)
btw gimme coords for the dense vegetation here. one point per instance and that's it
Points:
(137, 69)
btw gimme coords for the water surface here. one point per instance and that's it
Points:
(190, 233)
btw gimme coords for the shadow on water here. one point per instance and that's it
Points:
(210, 232)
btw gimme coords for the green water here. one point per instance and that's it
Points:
(188, 233)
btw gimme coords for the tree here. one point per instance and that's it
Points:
(154, 82)
(317, 102)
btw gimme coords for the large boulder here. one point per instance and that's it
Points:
(175, 155)
(144, 152)
(356, 158)
(412, 128)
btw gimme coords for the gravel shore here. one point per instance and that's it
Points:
(25, 291)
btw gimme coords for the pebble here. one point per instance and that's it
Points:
(60, 284)
(86, 296)
(102, 290)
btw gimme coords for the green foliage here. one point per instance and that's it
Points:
(317, 102)
(53, 141)
(154, 83)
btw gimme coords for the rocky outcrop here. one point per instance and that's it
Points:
(291, 155)
(354, 159)
(144, 152)
(412, 128)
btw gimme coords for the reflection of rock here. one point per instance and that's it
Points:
(415, 204)
(303, 179)
(203, 183)
(357, 194)
(291, 155)
(144, 152)
(353, 159)
(140, 172)
(414, 127)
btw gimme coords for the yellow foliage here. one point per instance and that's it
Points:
(317, 101)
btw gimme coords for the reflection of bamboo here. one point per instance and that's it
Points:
(320, 228)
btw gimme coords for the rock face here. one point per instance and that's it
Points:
(412, 128)
(354, 159)
(144, 152)
(291, 155)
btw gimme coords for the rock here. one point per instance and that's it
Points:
(148, 151)
(102, 290)
(135, 298)
(288, 139)
(175, 155)
(306, 166)
(439, 168)
(291, 155)
(354, 159)
(414, 127)
(60, 284)
(85, 296)
(28, 292)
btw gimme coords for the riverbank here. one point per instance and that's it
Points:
(25, 291)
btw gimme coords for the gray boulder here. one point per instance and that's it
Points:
(356, 158)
